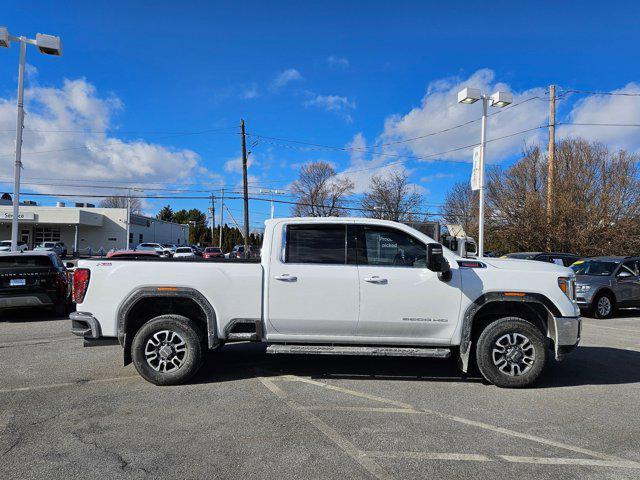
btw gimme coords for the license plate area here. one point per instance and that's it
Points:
(17, 282)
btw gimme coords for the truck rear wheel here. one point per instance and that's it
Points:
(167, 350)
(511, 353)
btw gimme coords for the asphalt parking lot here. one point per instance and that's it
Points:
(73, 412)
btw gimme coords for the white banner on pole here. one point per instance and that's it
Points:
(475, 173)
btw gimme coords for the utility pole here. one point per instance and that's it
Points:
(245, 189)
(213, 216)
(552, 151)
(221, 217)
(128, 220)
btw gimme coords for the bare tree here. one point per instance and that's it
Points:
(319, 193)
(121, 202)
(392, 198)
(461, 208)
(596, 207)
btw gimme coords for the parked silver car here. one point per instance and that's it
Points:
(606, 283)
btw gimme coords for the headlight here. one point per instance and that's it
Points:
(583, 288)
(567, 285)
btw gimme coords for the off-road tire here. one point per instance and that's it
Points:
(599, 313)
(187, 331)
(487, 343)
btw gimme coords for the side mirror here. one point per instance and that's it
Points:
(70, 265)
(624, 274)
(436, 262)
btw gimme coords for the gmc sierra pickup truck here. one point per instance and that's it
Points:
(338, 286)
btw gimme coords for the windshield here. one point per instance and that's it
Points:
(184, 250)
(594, 267)
(211, 250)
(47, 245)
(25, 261)
(5, 243)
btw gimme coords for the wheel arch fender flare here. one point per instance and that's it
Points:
(141, 293)
(497, 297)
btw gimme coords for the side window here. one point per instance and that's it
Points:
(389, 247)
(543, 258)
(568, 261)
(324, 244)
(630, 266)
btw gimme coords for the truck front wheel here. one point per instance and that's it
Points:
(167, 350)
(511, 353)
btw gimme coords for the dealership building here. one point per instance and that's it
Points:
(84, 228)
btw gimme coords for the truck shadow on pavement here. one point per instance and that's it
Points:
(586, 366)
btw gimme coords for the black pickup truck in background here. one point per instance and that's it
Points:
(34, 279)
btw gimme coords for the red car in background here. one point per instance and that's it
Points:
(212, 252)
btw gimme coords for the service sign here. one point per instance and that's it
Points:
(475, 173)
(21, 216)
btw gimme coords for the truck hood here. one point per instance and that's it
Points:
(516, 265)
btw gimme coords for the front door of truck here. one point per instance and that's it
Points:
(400, 297)
(312, 291)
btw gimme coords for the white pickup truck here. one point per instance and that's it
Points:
(339, 286)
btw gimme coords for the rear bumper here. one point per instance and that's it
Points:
(85, 325)
(566, 335)
(26, 300)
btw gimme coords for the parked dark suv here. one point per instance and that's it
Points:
(33, 279)
(564, 259)
(605, 283)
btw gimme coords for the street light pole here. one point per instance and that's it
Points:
(483, 141)
(18, 163)
(273, 194)
(49, 45)
(498, 99)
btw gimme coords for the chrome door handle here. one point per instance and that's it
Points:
(285, 277)
(376, 279)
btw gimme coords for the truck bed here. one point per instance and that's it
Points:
(232, 287)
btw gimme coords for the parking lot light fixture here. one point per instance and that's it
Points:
(49, 45)
(469, 95)
(497, 99)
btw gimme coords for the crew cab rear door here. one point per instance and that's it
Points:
(400, 298)
(312, 291)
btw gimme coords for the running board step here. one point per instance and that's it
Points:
(381, 351)
(243, 336)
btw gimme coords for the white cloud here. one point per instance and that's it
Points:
(331, 103)
(335, 61)
(360, 170)
(616, 109)
(436, 176)
(235, 164)
(439, 109)
(251, 92)
(286, 77)
(67, 136)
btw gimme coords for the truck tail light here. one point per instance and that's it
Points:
(80, 283)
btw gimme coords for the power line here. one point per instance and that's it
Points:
(589, 92)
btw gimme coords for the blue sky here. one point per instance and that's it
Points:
(138, 80)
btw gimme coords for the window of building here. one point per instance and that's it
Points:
(316, 244)
(382, 246)
(140, 237)
(46, 234)
(130, 237)
(112, 239)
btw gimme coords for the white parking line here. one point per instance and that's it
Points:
(573, 461)
(465, 421)
(345, 445)
(461, 457)
(66, 384)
